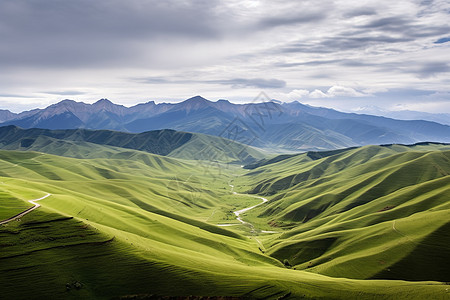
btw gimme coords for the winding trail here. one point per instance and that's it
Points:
(402, 234)
(241, 211)
(237, 213)
(36, 205)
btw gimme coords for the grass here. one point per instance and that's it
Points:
(133, 223)
(11, 205)
(372, 206)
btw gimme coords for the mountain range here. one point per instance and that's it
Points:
(443, 118)
(274, 126)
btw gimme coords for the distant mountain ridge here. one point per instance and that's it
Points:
(285, 127)
(443, 118)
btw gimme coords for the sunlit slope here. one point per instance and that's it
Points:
(211, 148)
(361, 213)
(118, 227)
(137, 203)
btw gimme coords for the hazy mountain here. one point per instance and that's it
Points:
(271, 125)
(442, 118)
(6, 115)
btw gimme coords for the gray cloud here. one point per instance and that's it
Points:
(432, 69)
(14, 96)
(305, 17)
(408, 28)
(133, 18)
(64, 93)
(341, 43)
(376, 32)
(388, 24)
(360, 11)
(83, 32)
(155, 80)
(234, 82)
(253, 82)
(307, 63)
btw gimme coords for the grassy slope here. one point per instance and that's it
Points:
(377, 207)
(302, 137)
(134, 224)
(210, 148)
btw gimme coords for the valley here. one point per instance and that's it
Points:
(368, 222)
(224, 150)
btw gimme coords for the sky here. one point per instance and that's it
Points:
(345, 54)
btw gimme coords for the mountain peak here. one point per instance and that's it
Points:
(194, 103)
(64, 102)
(196, 99)
(104, 104)
(67, 101)
(103, 101)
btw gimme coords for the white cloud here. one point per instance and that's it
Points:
(297, 94)
(342, 91)
(337, 91)
(318, 94)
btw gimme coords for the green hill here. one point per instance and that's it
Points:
(376, 206)
(81, 143)
(127, 223)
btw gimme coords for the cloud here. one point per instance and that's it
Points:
(298, 93)
(64, 93)
(394, 23)
(293, 19)
(432, 69)
(342, 43)
(253, 82)
(318, 94)
(342, 91)
(14, 96)
(307, 63)
(360, 11)
(235, 83)
(154, 80)
(371, 32)
(294, 95)
(334, 91)
(83, 32)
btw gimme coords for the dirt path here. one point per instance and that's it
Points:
(402, 234)
(241, 211)
(36, 205)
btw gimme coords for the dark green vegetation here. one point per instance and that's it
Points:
(351, 224)
(82, 143)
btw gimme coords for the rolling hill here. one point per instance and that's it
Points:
(385, 208)
(359, 223)
(105, 143)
